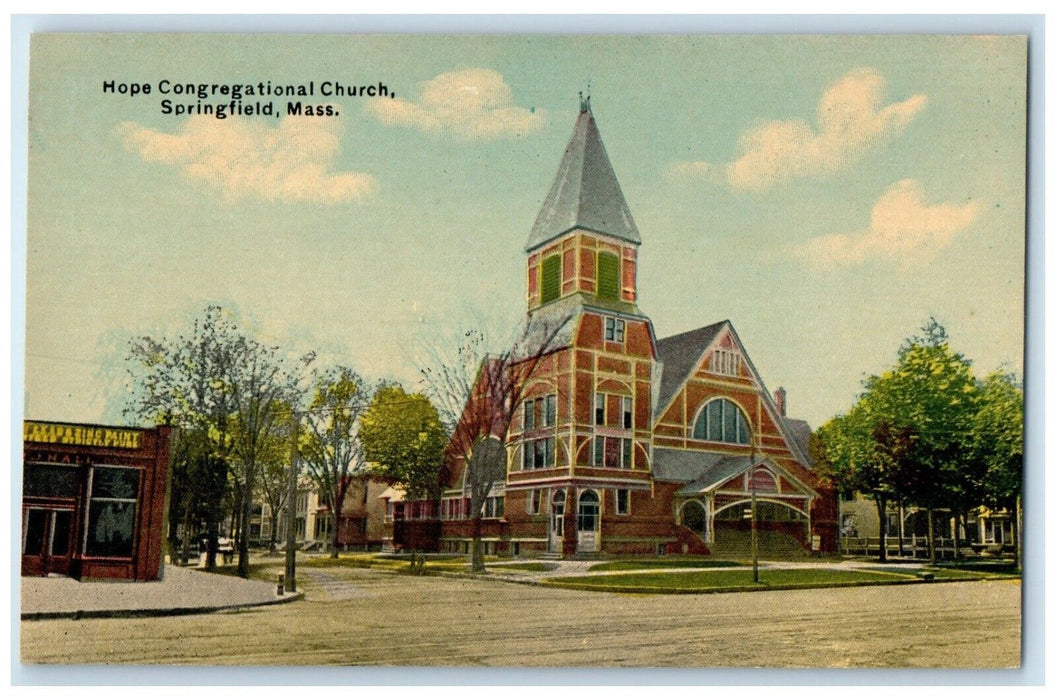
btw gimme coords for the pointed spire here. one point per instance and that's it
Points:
(585, 193)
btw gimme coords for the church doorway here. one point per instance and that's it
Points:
(556, 534)
(695, 518)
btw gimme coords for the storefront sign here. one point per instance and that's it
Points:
(60, 434)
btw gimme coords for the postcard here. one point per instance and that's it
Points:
(525, 350)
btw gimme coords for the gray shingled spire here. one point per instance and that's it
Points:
(585, 193)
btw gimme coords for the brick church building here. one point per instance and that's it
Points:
(623, 443)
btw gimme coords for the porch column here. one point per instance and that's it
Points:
(709, 518)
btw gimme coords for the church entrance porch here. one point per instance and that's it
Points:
(718, 508)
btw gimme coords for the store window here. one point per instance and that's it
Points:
(112, 512)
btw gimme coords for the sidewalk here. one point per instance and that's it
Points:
(180, 592)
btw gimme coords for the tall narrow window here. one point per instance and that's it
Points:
(626, 411)
(550, 410)
(608, 276)
(588, 512)
(599, 409)
(599, 452)
(726, 362)
(534, 499)
(551, 278)
(626, 443)
(529, 415)
(623, 501)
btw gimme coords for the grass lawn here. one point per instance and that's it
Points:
(526, 566)
(996, 567)
(741, 579)
(662, 563)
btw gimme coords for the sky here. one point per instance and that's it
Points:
(827, 194)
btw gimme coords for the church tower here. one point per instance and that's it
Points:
(584, 241)
(581, 445)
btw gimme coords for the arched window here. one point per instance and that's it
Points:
(588, 511)
(721, 421)
(695, 517)
(551, 278)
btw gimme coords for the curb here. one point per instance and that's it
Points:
(657, 590)
(154, 612)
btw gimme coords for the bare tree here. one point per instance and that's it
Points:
(478, 395)
(274, 465)
(223, 386)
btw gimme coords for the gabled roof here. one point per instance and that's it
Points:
(721, 472)
(680, 355)
(585, 193)
(800, 432)
(703, 471)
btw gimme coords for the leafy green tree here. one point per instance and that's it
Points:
(932, 394)
(330, 448)
(273, 458)
(907, 438)
(849, 451)
(403, 438)
(997, 443)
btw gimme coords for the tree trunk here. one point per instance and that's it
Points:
(1017, 516)
(212, 533)
(901, 529)
(478, 549)
(339, 498)
(247, 509)
(931, 536)
(334, 535)
(185, 547)
(881, 510)
(956, 527)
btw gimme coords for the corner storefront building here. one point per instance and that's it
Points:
(625, 443)
(93, 500)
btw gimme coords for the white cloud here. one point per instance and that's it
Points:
(850, 121)
(470, 104)
(902, 229)
(247, 159)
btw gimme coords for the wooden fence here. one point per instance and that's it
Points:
(916, 547)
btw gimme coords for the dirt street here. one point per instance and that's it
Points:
(361, 617)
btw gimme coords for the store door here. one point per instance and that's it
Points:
(46, 534)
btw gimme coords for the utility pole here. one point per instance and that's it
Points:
(755, 540)
(291, 507)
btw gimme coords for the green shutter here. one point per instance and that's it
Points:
(608, 276)
(551, 278)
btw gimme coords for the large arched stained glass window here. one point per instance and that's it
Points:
(721, 421)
